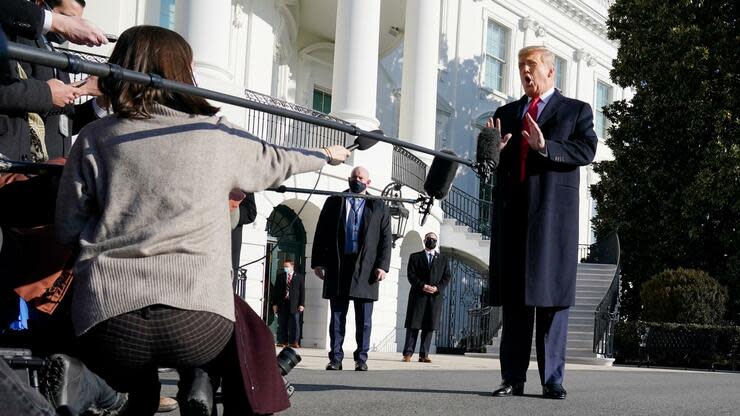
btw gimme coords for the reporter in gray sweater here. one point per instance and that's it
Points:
(144, 194)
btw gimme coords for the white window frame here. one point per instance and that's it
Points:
(506, 60)
(599, 113)
(563, 73)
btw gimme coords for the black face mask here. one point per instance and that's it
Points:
(356, 186)
(430, 243)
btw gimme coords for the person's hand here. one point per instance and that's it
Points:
(428, 289)
(379, 275)
(62, 94)
(235, 198)
(301, 308)
(336, 154)
(534, 136)
(274, 309)
(319, 271)
(77, 30)
(89, 86)
(497, 125)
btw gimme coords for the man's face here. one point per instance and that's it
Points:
(67, 8)
(361, 175)
(288, 267)
(536, 76)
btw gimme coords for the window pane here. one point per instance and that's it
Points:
(603, 97)
(317, 101)
(327, 103)
(560, 65)
(495, 60)
(167, 14)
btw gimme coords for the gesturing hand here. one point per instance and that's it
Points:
(534, 136)
(62, 94)
(497, 125)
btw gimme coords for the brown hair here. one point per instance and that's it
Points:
(292, 263)
(152, 49)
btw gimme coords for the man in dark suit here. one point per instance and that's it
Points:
(545, 138)
(352, 254)
(36, 111)
(428, 273)
(288, 301)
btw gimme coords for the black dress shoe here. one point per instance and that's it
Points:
(554, 391)
(195, 392)
(509, 389)
(73, 389)
(360, 366)
(334, 366)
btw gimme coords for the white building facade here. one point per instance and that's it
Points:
(427, 71)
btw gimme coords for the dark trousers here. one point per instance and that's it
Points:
(363, 325)
(289, 324)
(127, 350)
(410, 345)
(551, 336)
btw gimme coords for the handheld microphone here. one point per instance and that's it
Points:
(364, 142)
(487, 153)
(438, 182)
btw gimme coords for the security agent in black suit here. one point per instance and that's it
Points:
(352, 254)
(288, 302)
(428, 273)
(247, 214)
(545, 138)
(31, 90)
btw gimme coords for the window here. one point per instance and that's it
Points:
(321, 101)
(560, 73)
(495, 65)
(603, 97)
(167, 14)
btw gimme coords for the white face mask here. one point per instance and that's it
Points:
(287, 270)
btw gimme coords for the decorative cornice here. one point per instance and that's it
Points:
(529, 23)
(585, 14)
(582, 55)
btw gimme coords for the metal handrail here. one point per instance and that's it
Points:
(468, 210)
(606, 314)
(408, 169)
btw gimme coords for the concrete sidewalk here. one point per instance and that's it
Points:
(462, 385)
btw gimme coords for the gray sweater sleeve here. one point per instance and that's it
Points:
(75, 197)
(259, 165)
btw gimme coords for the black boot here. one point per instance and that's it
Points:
(196, 392)
(73, 389)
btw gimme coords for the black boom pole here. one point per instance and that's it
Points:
(74, 64)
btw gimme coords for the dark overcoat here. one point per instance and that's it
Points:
(535, 240)
(297, 295)
(423, 309)
(375, 248)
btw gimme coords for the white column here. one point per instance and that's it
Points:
(355, 80)
(419, 78)
(355, 74)
(207, 25)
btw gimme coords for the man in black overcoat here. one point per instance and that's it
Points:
(545, 138)
(428, 273)
(352, 254)
(288, 302)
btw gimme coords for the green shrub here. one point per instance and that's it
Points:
(684, 296)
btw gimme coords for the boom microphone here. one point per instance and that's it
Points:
(364, 142)
(487, 153)
(438, 182)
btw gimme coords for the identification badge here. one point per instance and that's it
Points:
(64, 125)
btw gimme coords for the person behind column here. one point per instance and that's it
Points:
(534, 249)
(428, 274)
(288, 301)
(144, 195)
(352, 254)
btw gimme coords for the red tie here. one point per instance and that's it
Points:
(532, 111)
(287, 288)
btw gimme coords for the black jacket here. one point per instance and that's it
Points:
(297, 295)
(423, 309)
(21, 17)
(375, 248)
(534, 247)
(19, 97)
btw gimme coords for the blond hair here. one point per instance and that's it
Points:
(546, 56)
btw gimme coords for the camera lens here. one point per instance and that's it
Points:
(287, 359)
